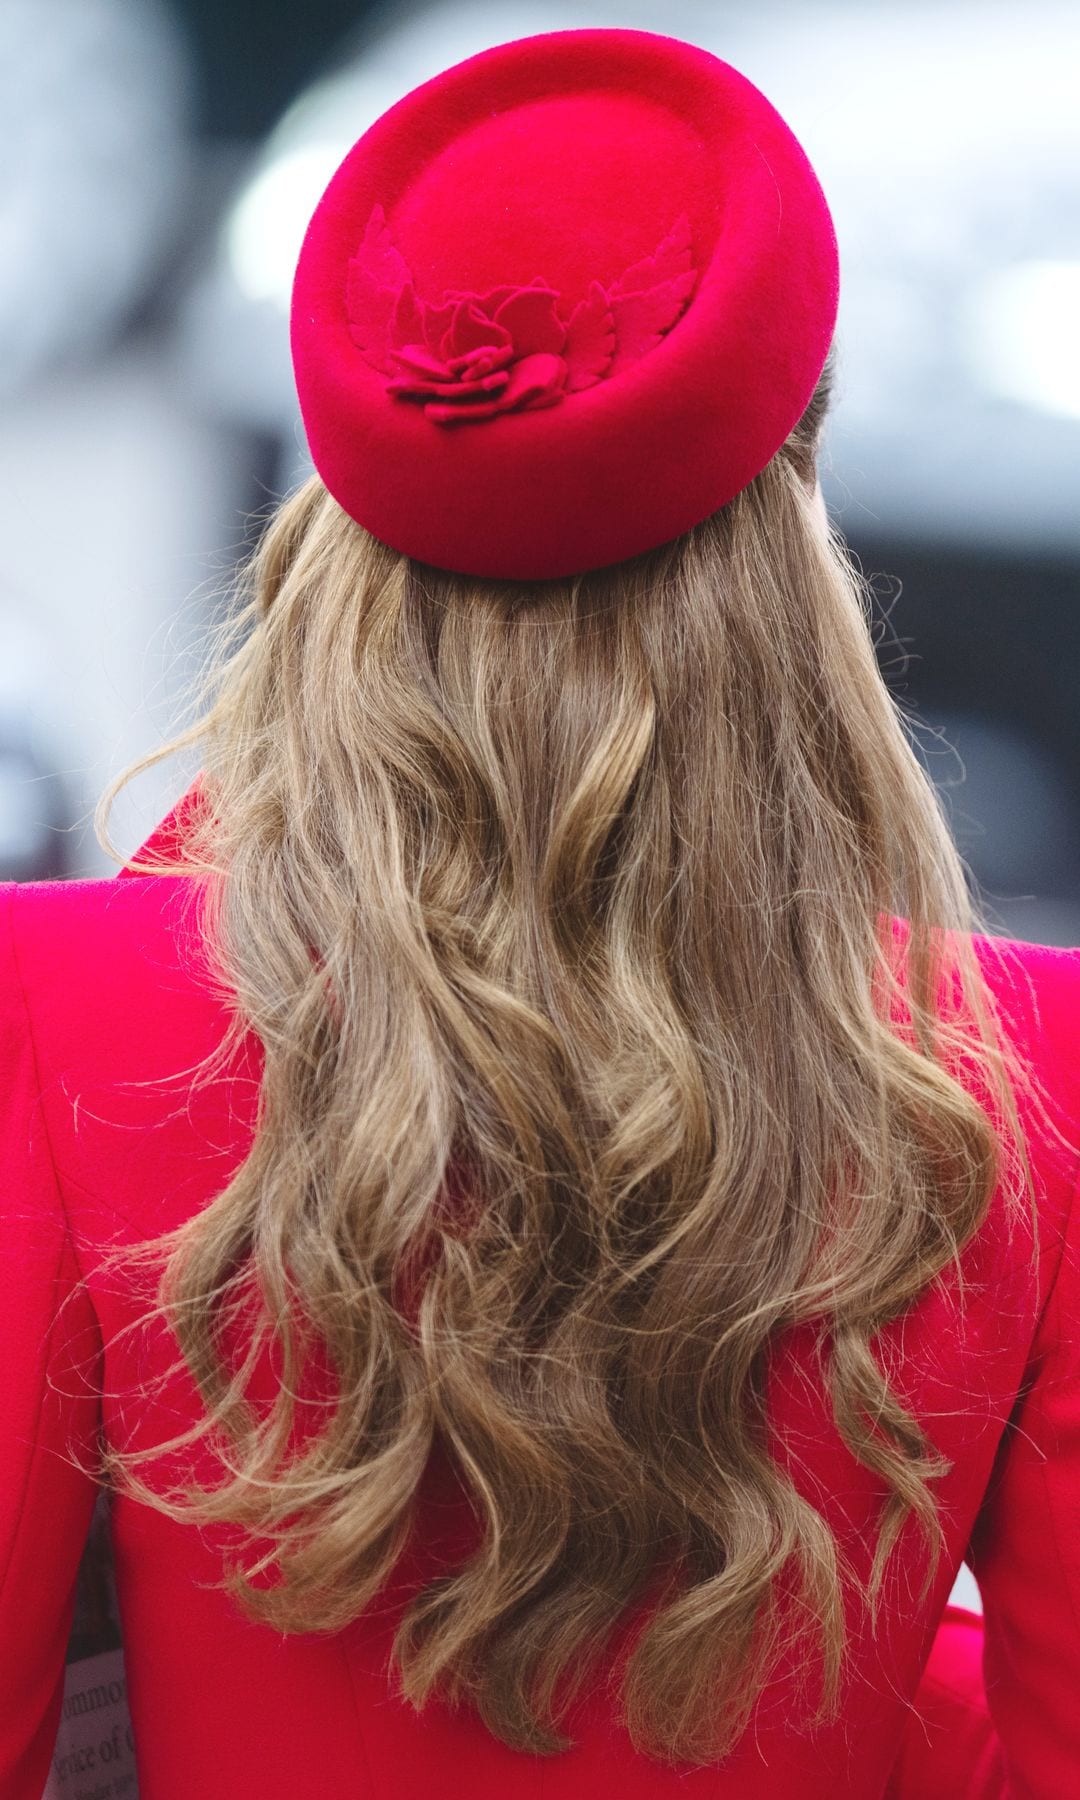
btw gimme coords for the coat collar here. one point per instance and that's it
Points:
(166, 839)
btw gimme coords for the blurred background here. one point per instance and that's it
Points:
(161, 161)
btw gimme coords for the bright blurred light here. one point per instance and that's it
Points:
(1024, 334)
(266, 227)
(94, 95)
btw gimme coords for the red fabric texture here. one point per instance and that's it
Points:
(560, 303)
(103, 1016)
(953, 1749)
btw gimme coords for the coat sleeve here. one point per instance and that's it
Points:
(49, 1404)
(1025, 1549)
(1025, 1555)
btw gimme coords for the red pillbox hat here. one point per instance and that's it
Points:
(560, 303)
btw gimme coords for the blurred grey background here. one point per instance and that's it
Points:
(160, 162)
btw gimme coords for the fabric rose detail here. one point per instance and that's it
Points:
(472, 356)
(485, 354)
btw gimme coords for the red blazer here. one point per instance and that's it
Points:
(96, 996)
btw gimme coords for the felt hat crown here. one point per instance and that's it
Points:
(560, 303)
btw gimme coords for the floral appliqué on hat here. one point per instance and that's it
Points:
(472, 356)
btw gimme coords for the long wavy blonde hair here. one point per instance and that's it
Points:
(588, 888)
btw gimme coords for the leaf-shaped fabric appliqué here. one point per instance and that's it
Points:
(377, 277)
(470, 356)
(590, 340)
(641, 319)
(671, 257)
(650, 295)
